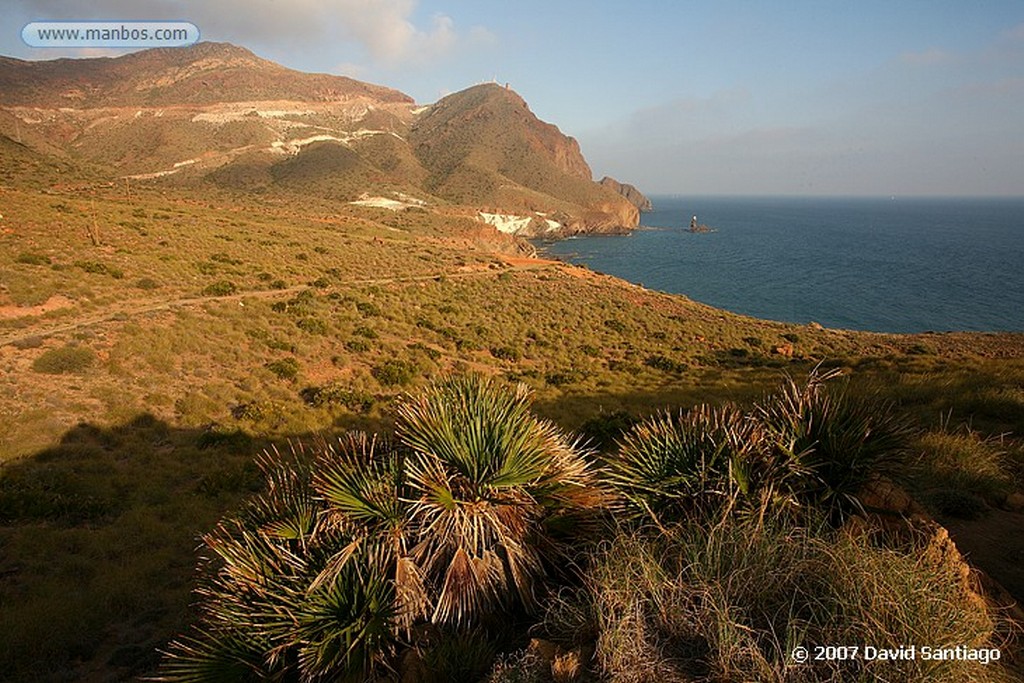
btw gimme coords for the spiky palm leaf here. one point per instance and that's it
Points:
(673, 465)
(214, 657)
(485, 476)
(835, 442)
(345, 626)
(260, 608)
(362, 482)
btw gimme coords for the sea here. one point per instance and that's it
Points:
(887, 264)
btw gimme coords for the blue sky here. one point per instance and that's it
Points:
(795, 97)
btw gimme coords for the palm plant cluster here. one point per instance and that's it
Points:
(808, 445)
(324, 573)
(471, 510)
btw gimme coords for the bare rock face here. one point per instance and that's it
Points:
(635, 196)
(892, 511)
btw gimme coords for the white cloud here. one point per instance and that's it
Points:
(384, 29)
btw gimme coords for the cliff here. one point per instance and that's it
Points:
(635, 196)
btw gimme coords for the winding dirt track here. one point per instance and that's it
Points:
(128, 310)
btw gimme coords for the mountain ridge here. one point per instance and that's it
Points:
(217, 113)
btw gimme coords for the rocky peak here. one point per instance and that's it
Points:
(635, 196)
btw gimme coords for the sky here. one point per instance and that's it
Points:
(687, 97)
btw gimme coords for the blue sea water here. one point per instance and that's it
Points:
(886, 265)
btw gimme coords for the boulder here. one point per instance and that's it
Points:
(785, 350)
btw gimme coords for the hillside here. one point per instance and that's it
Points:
(206, 73)
(141, 375)
(484, 145)
(217, 114)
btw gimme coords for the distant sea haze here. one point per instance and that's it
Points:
(885, 265)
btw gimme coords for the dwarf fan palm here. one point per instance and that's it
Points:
(834, 441)
(490, 485)
(315, 577)
(362, 482)
(669, 466)
(264, 615)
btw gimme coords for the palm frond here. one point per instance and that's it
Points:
(213, 657)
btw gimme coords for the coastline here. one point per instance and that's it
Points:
(872, 265)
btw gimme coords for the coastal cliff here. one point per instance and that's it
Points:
(633, 195)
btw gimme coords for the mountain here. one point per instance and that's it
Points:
(635, 196)
(216, 114)
(484, 145)
(206, 73)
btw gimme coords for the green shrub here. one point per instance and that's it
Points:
(33, 259)
(338, 395)
(221, 257)
(63, 360)
(312, 325)
(659, 362)
(430, 352)
(147, 283)
(559, 378)
(284, 368)
(98, 268)
(605, 429)
(508, 353)
(216, 437)
(394, 372)
(255, 411)
(368, 309)
(220, 288)
(616, 325)
(357, 346)
(364, 331)
(33, 342)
